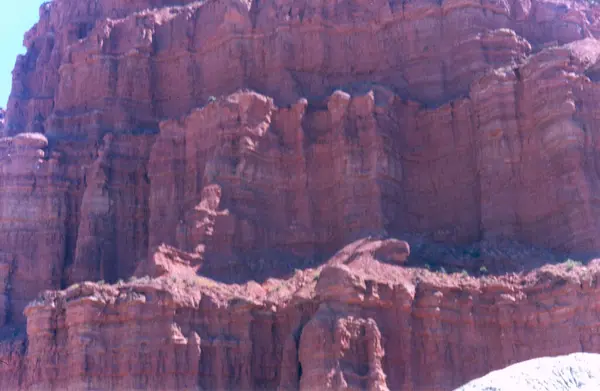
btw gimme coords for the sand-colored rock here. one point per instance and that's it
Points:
(577, 371)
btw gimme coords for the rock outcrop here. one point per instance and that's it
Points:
(354, 323)
(577, 371)
(198, 146)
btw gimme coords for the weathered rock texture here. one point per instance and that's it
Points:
(240, 140)
(355, 323)
(577, 371)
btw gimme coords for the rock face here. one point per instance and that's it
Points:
(198, 146)
(577, 371)
(354, 323)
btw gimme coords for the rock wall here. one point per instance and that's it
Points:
(357, 323)
(242, 140)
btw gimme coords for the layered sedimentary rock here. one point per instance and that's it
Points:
(169, 140)
(33, 221)
(355, 323)
(436, 106)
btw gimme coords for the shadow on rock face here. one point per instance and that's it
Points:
(260, 266)
(486, 257)
(478, 259)
(393, 251)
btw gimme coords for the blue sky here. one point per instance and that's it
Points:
(16, 17)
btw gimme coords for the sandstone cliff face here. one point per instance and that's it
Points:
(357, 323)
(241, 140)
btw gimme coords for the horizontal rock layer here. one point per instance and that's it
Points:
(241, 140)
(355, 323)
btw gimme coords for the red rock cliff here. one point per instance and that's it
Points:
(241, 140)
